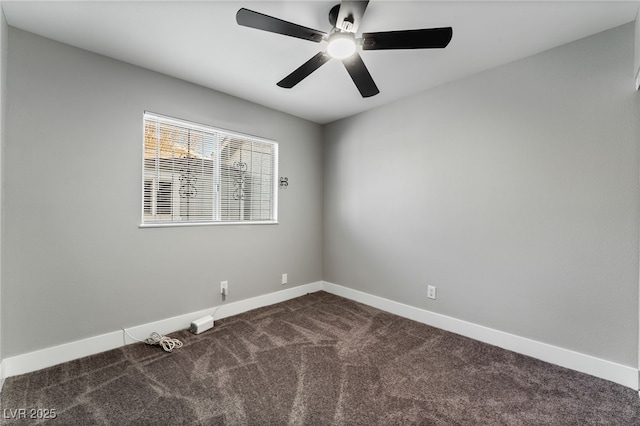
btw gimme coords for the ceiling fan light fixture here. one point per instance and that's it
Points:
(341, 46)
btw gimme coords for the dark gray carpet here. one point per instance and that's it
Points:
(318, 360)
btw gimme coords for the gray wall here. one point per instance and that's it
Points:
(515, 192)
(636, 65)
(3, 85)
(76, 263)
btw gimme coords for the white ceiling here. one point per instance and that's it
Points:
(200, 42)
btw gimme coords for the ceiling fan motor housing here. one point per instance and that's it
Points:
(347, 23)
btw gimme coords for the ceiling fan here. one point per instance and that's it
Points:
(342, 43)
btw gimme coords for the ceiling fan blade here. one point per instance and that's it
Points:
(350, 15)
(360, 75)
(257, 20)
(304, 70)
(428, 38)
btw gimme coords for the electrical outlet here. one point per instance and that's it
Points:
(431, 292)
(224, 287)
(285, 278)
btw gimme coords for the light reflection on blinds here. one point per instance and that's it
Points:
(198, 174)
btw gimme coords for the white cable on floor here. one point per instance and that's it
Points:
(127, 333)
(167, 343)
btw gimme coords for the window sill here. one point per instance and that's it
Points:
(178, 224)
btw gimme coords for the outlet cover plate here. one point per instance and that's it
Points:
(431, 292)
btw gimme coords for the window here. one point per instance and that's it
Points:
(193, 174)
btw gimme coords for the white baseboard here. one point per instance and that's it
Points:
(48, 357)
(607, 370)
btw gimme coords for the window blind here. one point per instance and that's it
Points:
(198, 174)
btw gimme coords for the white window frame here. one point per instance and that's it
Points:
(221, 133)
